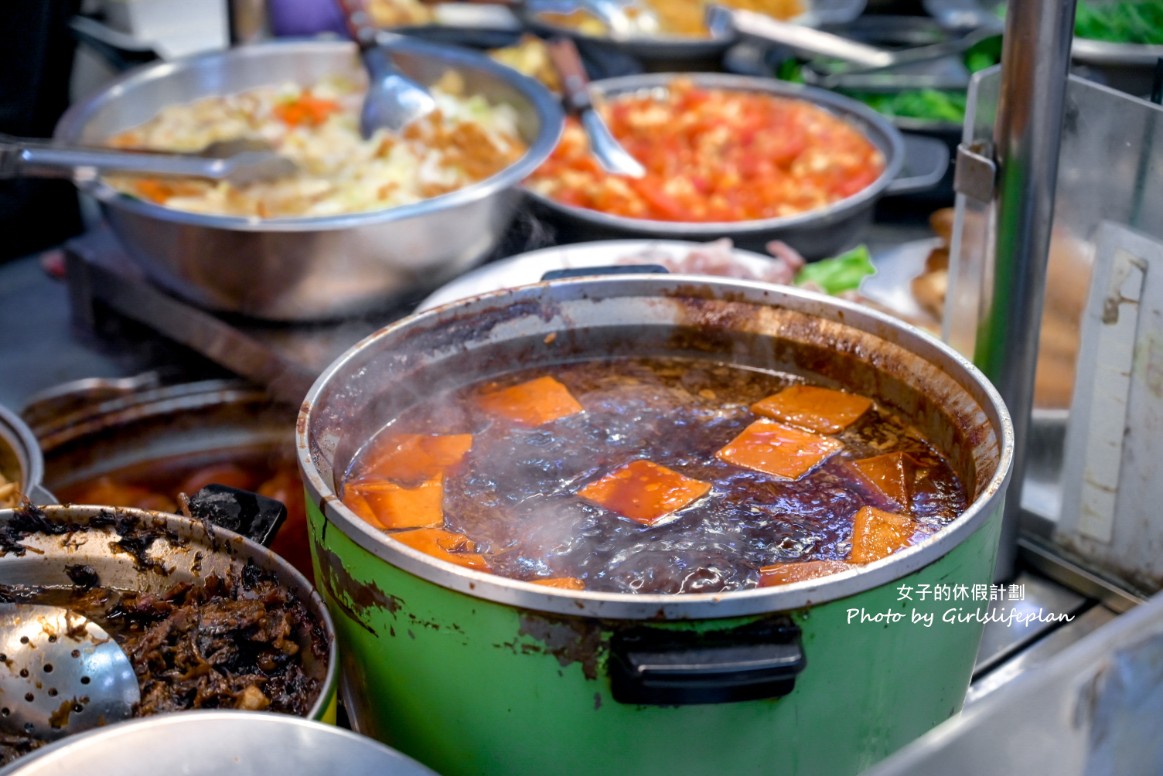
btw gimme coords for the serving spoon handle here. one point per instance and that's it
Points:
(575, 87)
(21, 157)
(393, 100)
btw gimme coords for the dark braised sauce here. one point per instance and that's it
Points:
(242, 641)
(514, 494)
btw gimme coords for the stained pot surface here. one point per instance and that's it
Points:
(744, 323)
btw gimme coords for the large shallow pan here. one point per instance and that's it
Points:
(319, 267)
(816, 234)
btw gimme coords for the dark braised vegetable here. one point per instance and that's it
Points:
(240, 641)
(653, 476)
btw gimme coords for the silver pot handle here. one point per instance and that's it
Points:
(926, 161)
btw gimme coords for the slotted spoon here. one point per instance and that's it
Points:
(60, 673)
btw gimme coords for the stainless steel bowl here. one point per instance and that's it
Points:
(293, 269)
(212, 743)
(680, 51)
(176, 549)
(815, 234)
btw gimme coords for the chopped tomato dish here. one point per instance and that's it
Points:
(714, 155)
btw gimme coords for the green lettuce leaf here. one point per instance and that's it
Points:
(839, 273)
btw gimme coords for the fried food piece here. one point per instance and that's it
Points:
(817, 409)
(779, 450)
(409, 459)
(877, 534)
(390, 506)
(444, 545)
(787, 573)
(644, 491)
(563, 583)
(532, 403)
(891, 475)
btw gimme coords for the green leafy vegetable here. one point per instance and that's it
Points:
(929, 104)
(1130, 21)
(839, 273)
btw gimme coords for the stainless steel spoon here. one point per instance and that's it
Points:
(61, 673)
(575, 86)
(393, 100)
(238, 162)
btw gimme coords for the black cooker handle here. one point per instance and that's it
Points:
(256, 517)
(608, 269)
(657, 666)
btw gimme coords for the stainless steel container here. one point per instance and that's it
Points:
(213, 743)
(175, 549)
(815, 234)
(309, 268)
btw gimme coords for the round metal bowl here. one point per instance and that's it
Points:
(815, 234)
(21, 460)
(96, 428)
(177, 549)
(678, 51)
(320, 267)
(210, 743)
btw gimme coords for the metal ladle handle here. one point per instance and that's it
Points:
(575, 88)
(20, 157)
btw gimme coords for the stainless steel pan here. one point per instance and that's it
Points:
(815, 234)
(294, 269)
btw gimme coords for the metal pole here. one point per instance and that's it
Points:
(1027, 138)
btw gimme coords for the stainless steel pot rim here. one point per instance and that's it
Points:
(549, 115)
(680, 606)
(843, 106)
(238, 546)
(177, 727)
(16, 432)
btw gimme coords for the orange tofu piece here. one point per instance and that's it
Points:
(877, 534)
(445, 545)
(532, 403)
(644, 491)
(564, 583)
(414, 458)
(892, 474)
(819, 409)
(395, 506)
(787, 573)
(773, 448)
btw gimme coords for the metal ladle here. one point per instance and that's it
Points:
(61, 673)
(237, 161)
(575, 85)
(393, 100)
